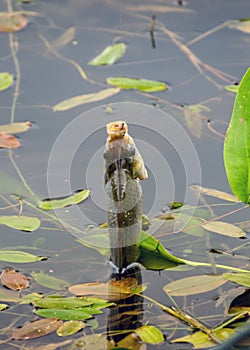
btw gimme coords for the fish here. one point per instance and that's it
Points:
(124, 168)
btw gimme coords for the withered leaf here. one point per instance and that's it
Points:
(13, 279)
(9, 141)
(36, 329)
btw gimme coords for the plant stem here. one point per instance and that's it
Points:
(181, 315)
(13, 50)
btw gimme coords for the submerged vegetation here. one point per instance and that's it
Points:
(83, 307)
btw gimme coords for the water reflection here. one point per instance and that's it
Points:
(127, 314)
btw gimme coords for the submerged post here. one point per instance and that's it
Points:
(123, 169)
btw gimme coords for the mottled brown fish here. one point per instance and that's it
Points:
(124, 167)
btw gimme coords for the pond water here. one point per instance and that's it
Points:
(199, 50)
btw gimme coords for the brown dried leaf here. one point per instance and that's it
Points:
(12, 22)
(9, 141)
(113, 290)
(36, 329)
(14, 280)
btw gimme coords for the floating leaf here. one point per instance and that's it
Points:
(237, 143)
(158, 8)
(242, 24)
(193, 120)
(113, 290)
(215, 193)
(36, 329)
(3, 307)
(13, 279)
(54, 346)
(30, 298)
(64, 39)
(201, 340)
(9, 295)
(67, 315)
(6, 80)
(93, 342)
(109, 55)
(240, 278)
(49, 281)
(9, 141)
(53, 302)
(232, 88)
(224, 228)
(150, 334)
(154, 256)
(194, 285)
(136, 83)
(23, 223)
(86, 98)
(69, 328)
(17, 256)
(76, 198)
(12, 22)
(14, 128)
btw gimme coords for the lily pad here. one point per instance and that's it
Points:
(194, 285)
(67, 315)
(8, 141)
(49, 281)
(150, 334)
(61, 302)
(137, 84)
(18, 256)
(201, 340)
(225, 229)
(240, 278)
(109, 55)
(14, 128)
(13, 279)
(36, 329)
(69, 328)
(86, 98)
(12, 22)
(23, 223)
(76, 198)
(6, 80)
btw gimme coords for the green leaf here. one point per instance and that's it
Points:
(194, 285)
(23, 223)
(237, 143)
(49, 281)
(53, 302)
(3, 307)
(201, 340)
(150, 334)
(67, 315)
(224, 228)
(76, 198)
(17, 256)
(69, 328)
(136, 83)
(154, 256)
(232, 88)
(240, 278)
(6, 80)
(109, 55)
(86, 98)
